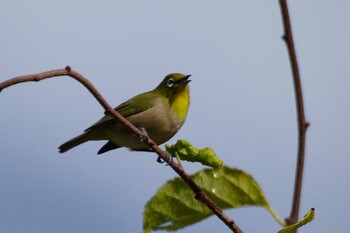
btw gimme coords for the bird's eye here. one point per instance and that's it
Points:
(170, 82)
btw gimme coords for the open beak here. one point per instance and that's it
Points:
(184, 80)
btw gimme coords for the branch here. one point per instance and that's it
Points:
(199, 194)
(302, 123)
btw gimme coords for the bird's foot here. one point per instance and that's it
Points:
(168, 160)
(160, 160)
(144, 136)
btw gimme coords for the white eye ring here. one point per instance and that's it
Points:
(170, 82)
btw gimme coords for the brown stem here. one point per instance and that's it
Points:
(302, 123)
(199, 194)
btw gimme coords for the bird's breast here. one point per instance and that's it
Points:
(181, 104)
(160, 121)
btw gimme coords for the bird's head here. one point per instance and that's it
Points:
(174, 86)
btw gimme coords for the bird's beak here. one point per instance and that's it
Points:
(185, 80)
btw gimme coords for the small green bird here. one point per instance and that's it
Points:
(161, 112)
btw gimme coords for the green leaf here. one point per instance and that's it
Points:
(174, 206)
(185, 151)
(307, 218)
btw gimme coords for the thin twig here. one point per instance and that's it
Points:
(199, 194)
(302, 123)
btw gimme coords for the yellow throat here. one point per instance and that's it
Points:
(181, 102)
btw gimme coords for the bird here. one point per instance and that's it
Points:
(160, 113)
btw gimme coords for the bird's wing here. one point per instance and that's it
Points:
(130, 107)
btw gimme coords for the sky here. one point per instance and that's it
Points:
(242, 105)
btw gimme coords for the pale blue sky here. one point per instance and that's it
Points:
(242, 105)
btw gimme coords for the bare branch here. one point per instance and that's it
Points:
(302, 123)
(199, 194)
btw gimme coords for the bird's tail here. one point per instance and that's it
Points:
(73, 142)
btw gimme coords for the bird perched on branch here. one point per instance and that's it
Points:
(161, 112)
